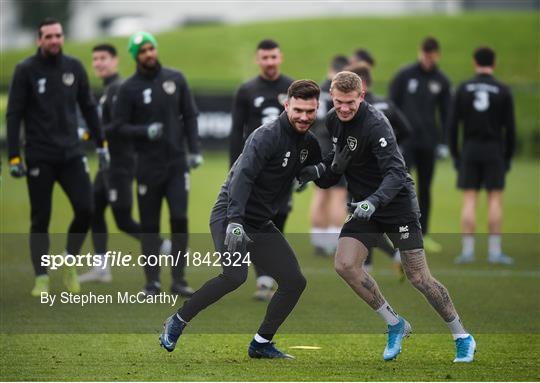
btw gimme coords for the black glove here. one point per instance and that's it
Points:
(195, 160)
(236, 238)
(310, 173)
(154, 131)
(341, 159)
(16, 167)
(104, 158)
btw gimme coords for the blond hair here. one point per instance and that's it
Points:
(347, 82)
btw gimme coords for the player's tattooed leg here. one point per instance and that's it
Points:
(350, 257)
(417, 271)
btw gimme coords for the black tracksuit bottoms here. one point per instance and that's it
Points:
(269, 250)
(73, 176)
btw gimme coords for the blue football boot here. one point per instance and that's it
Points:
(396, 334)
(465, 349)
(172, 329)
(266, 351)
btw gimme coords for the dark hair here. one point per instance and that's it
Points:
(338, 63)
(430, 44)
(105, 48)
(362, 70)
(47, 21)
(362, 54)
(267, 44)
(304, 89)
(484, 56)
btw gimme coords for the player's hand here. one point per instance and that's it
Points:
(16, 167)
(195, 160)
(236, 238)
(362, 210)
(442, 151)
(310, 173)
(298, 187)
(341, 160)
(154, 131)
(104, 158)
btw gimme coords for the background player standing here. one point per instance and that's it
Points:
(327, 210)
(419, 90)
(486, 109)
(113, 186)
(259, 101)
(44, 93)
(155, 108)
(386, 204)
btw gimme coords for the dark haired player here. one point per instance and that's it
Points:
(155, 108)
(257, 102)
(256, 187)
(485, 109)
(44, 93)
(420, 90)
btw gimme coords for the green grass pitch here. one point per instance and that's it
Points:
(498, 304)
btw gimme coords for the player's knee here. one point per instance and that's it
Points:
(84, 212)
(298, 283)
(344, 267)
(235, 279)
(417, 280)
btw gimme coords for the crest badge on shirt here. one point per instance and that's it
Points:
(352, 142)
(68, 78)
(169, 87)
(434, 87)
(412, 85)
(303, 155)
(282, 97)
(257, 101)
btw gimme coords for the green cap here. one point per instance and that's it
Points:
(138, 40)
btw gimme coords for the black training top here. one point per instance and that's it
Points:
(486, 109)
(161, 95)
(377, 170)
(418, 94)
(257, 102)
(120, 147)
(260, 180)
(397, 119)
(44, 94)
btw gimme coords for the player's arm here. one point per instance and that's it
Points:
(89, 109)
(17, 99)
(395, 91)
(384, 148)
(239, 119)
(327, 171)
(445, 98)
(400, 123)
(510, 129)
(189, 112)
(258, 150)
(108, 109)
(454, 119)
